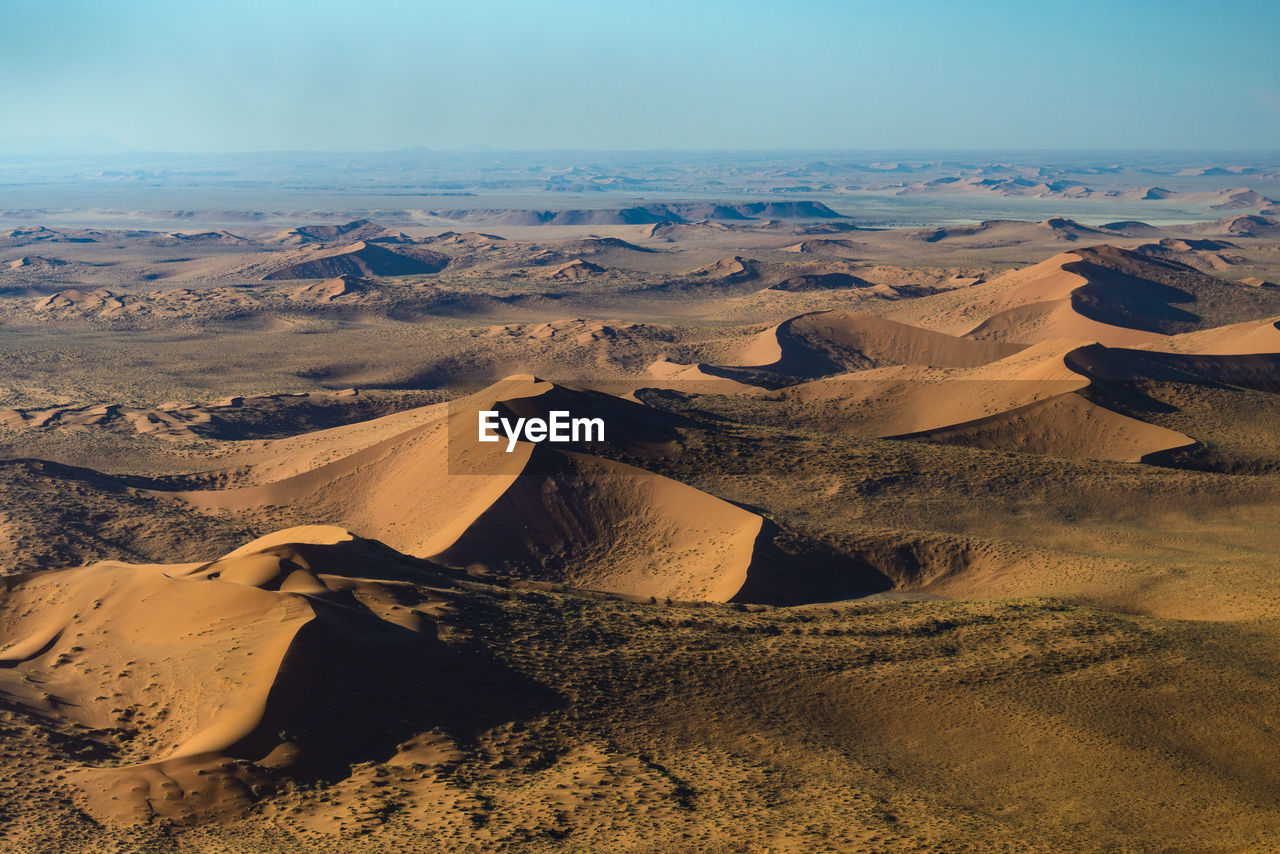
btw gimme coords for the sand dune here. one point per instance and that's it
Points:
(1209, 255)
(1133, 228)
(28, 235)
(830, 342)
(1259, 371)
(735, 269)
(689, 379)
(231, 417)
(276, 659)
(465, 238)
(578, 330)
(597, 524)
(1029, 401)
(356, 230)
(1036, 530)
(343, 288)
(992, 233)
(903, 399)
(759, 350)
(35, 262)
(1239, 226)
(1065, 426)
(360, 259)
(1243, 225)
(74, 301)
(552, 514)
(821, 282)
(824, 247)
(1252, 336)
(573, 271)
(1114, 296)
(678, 231)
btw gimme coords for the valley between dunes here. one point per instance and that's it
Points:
(898, 540)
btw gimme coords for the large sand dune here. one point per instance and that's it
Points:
(1113, 296)
(1030, 401)
(540, 512)
(829, 342)
(360, 259)
(275, 659)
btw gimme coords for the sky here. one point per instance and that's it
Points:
(643, 74)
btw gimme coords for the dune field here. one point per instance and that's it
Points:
(948, 538)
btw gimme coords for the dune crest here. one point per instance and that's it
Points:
(359, 259)
(544, 512)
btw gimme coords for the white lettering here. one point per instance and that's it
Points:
(559, 428)
(594, 428)
(513, 433)
(488, 423)
(559, 425)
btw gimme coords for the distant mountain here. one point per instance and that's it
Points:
(651, 214)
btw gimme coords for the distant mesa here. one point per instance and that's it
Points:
(464, 238)
(576, 270)
(597, 245)
(356, 230)
(674, 231)
(361, 260)
(831, 228)
(1218, 171)
(651, 214)
(223, 238)
(1069, 229)
(1000, 186)
(1133, 228)
(992, 233)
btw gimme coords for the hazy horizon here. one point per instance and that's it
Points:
(75, 145)
(718, 76)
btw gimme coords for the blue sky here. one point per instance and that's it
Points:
(644, 74)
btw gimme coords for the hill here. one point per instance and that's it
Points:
(1114, 296)
(360, 260)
